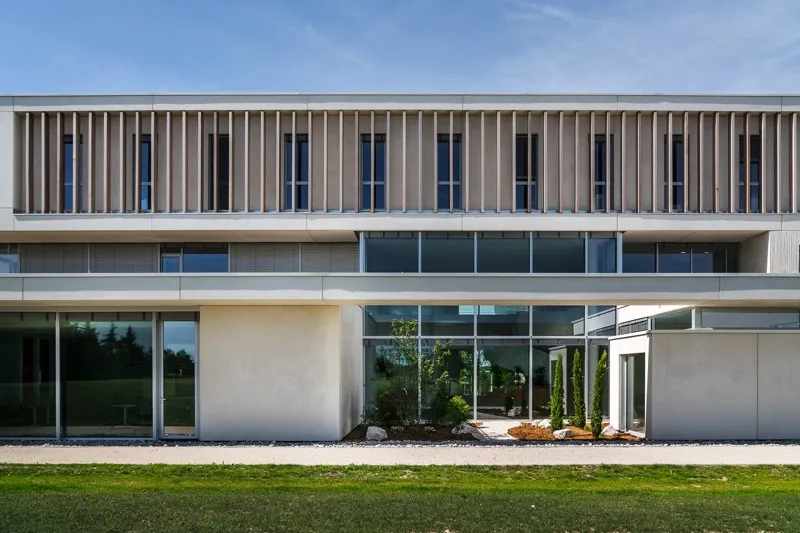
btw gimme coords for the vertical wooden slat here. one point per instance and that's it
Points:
(592, 165)
(624, 163)
(154, 161)
(76, 157)
(778, 140)
(747, 159)
(246, 162)
(262, 163)
(498, 177)
(387, 163)
(324, 161)
(685, 144)
(545, 174)
(609, 158)
(341, 161)
(45, 159)
(435, 162)
(293, 163)
(278, 156)
(466, 162)
(514, 161)
(309, 163)
(734, 173)
(654, 161)
(577, 158)
(184, 163)
(90, 164)
(451, 161)
(529, 174)
(560, 161)
(404, 162)
(762, 189)
(214, 185)
(670, 170)
(123, 200)
(638, 162)
(419, 162)
(60, 163)
(483, 161)
(356, 166)
(28, 163)
(715, 202)
(701, 159)
(793, 182)
(231, 164)
(168, 163)
(371, 162)
(200, 162)
(137, 162)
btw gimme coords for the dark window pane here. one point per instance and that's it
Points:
(503, 381)
(205, 262)
(603, 255)
(710, 258)
(557, 256)
(170, 263)
(145, 203)
(601, 320)
(638, 258)
(678, 320)
(391, 255)
(220, 189)
(452, 253)
(558, 321)
(750, 318)
(507, 254)
(451, 320)
(674, 258)
(503, 320)
(378, 318)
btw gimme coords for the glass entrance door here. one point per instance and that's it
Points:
(178, 378)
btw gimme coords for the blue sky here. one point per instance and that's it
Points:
(98, 46)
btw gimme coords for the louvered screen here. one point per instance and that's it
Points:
(264, 257)
(329, 257)
(123, 258)
(54, 258)
(223, 168)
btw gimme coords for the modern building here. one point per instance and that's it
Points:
(227, 267)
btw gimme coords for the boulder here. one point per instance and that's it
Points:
(376, 433)
(562, 434)
(536, 422)
(463, 429)
(609, 431)
(545, 424)
(512, 413)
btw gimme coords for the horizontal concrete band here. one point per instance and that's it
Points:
(130, 223)
(389, 102)
(440, 289)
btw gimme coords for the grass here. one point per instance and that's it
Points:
(357, 498)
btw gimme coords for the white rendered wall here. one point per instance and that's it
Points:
(630, 344)
(275, 373)
(352, 367)
(778, 386)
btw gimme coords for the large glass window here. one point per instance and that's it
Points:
(678, 320)
(527, 163)
(749, 318)
(378, 318)
(503, 320)
(677, 174)
(558, 321)
(545, 357)
(144, 178)
(558, 255)
(447, 320)
(503, 379)
(674, 258)
(391, 252)
(373, 172)
(602, 255)
(9, 259)
(458, 364)
(638, 258)
(443, 171)
(107, 374)
(601, 320)
(755, 173)
(70, 179)
(194, 258)
(179, 370)
(713, 258)
(27, 375)
(448, 252)
(219, 173)
(504, 253)
(295, 159)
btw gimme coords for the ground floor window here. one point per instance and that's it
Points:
(634, 377)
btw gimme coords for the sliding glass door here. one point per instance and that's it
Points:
(178, 377)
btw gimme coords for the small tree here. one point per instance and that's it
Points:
(596, 417)
(579, 418)
(557, 397)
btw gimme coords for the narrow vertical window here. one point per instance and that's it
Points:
(602, 181)
(373, 169)
(527, 196)
(295, 197)
(443, 172)
(144, 179)
(755, 174)
(70, 180)
(678, 179)
(219, 188)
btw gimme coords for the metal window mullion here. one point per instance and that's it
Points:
(451, 162)
(514, 161)
(619, 251)
(157, 415)
(76, 157)
(585, 252)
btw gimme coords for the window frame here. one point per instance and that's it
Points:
(452, 140)
(530, 195)
(68, 140)
(140, 181)
(223, 173)
(293, 185)
(607, 184)
(369, 146)
(677, 198)
(755, 171)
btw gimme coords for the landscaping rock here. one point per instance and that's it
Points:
(536, 422)
(512, 413)
(376, 433)
(545, 424)
(562, 434)
(463, 429)
(609, 431)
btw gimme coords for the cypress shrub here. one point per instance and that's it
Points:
(596, 417)
(579, 418)
(557, 398)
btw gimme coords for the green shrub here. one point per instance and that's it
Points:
(458, 411)
(557, 397)
(596, 417)
(579, 418)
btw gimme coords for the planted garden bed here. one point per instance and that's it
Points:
(410, 433)
(528, 431)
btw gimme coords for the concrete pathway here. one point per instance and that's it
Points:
(387, 454)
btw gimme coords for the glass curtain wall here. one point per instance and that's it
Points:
(502, 356)
(178, 370)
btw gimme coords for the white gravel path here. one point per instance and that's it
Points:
(387, 454)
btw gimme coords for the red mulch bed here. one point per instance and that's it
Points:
(528, 431)
(416, 433)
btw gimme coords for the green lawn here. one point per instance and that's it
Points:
(422, 499)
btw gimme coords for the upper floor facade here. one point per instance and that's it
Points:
(281, 162)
